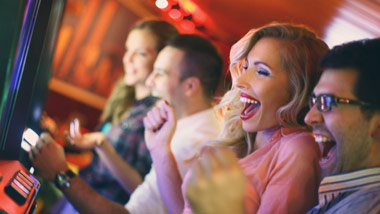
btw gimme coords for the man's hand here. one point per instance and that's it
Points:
(216, 183)
(160, 124)
(48, 157)
(49, 124)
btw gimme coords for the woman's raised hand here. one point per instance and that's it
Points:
(86, 141)
(216, 183)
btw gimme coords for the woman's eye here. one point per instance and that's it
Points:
(263, 72)
(159, 73)
(142, 53)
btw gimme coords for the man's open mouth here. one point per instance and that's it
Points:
(327, 146)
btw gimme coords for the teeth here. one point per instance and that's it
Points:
(246, 100)
(321, 139)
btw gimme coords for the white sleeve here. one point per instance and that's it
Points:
(146, 198)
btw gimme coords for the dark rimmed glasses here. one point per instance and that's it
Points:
(326, 101)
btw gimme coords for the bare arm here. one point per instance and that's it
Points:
(87, 200)
(160, 125)
(125, 174)
(49, 160)
(169, 180)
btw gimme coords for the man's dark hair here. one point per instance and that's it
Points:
(201, 60)
(363, 56)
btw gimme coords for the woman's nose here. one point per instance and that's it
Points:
(242, 81)
(127, 57)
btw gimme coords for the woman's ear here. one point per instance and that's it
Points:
(192, 85)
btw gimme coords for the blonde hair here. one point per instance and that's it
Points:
(120, 101)
(301, 51)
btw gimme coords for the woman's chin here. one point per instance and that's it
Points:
(250, 126)
(129, 82)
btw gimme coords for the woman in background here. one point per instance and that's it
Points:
(121, 122)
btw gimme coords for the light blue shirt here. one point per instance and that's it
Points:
(355, 192)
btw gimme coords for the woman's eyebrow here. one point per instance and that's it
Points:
(261, 63)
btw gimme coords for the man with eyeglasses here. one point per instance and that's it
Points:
(345, 116)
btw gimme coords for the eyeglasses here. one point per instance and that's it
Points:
(326, 101)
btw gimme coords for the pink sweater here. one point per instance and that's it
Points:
(284, 174)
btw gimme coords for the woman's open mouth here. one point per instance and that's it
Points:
(251, 106)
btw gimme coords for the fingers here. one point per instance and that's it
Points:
(208, 162)
(169, 112)
(147, 124)
(68, 138)
(155, 118)
(72, 129)
(44, 140)
(75, 128)
(226, 157)
(214, 160)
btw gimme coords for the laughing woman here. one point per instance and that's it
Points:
(273, 69)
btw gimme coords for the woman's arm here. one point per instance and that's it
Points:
(127, 176)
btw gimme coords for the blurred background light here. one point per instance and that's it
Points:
(162, 4)
(175, 14)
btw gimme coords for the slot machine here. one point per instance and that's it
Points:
(29, 32)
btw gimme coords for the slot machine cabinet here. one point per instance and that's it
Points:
(18, 188)
(28, 44)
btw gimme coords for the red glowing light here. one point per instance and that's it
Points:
(199, 16)
(187, 25)
(175, 14)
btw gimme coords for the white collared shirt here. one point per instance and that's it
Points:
(191, 134)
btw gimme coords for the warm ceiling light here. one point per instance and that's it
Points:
(199, 16)
(188, 6)
(162, 4)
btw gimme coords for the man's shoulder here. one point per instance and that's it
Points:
(206, 123)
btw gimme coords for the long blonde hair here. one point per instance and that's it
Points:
(301, 51)
(120, 101)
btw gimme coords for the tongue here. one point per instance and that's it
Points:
(250, 107)
(326, 147)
